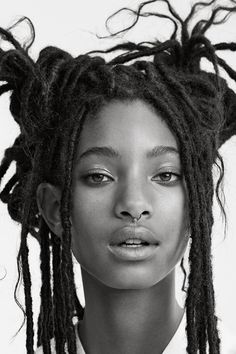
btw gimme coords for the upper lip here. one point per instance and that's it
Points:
(128, 232)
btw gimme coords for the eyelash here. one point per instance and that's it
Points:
(178, 177)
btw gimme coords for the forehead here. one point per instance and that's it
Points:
(133, 124)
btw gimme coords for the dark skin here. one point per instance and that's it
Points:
(130, 306)
(130, 321)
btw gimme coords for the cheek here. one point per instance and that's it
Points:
(172, 209)
(90, 202)
(176, 225)
(172, 221)
(89, 211)
(87, 218)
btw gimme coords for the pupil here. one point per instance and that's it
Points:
(97, 177)
(166, 176)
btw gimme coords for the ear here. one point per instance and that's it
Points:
(49, 201)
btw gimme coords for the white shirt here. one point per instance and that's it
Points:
(177, 344)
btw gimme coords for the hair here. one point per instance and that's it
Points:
(51, 98)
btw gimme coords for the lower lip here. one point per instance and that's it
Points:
(133, 253)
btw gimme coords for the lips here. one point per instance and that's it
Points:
(128, 233)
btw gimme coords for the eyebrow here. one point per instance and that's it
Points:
(110, 152)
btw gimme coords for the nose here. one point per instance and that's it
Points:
(134, 201)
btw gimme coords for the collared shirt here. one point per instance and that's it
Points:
(177, 344)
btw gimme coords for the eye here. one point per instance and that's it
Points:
(96, 178)
(168, 177)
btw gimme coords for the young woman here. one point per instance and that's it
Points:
(114, 163)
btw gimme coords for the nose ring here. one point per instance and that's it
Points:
(134, 219)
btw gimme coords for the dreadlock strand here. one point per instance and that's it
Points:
(145, 53)
(68, 70)
(4, 195)
(23, 252)
(27, 288)
(59, 305)
(67, 266)
(194, 289)
(133, 24)
(213, 16)
(5, 163)
(86, 66)
(46, 294)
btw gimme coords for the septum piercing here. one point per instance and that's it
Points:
(134, 219)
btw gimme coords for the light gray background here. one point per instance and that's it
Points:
(71, 25)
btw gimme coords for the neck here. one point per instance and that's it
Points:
(131, 320)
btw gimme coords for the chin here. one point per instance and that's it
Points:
(131, 280)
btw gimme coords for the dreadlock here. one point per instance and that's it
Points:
(50, 100)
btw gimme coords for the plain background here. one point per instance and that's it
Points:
(72, 25)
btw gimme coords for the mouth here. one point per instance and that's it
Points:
(133, 252)
(133, 237)
(134, 244)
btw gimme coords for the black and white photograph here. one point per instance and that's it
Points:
(118, 177)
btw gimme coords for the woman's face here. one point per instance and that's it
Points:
(109, 188)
